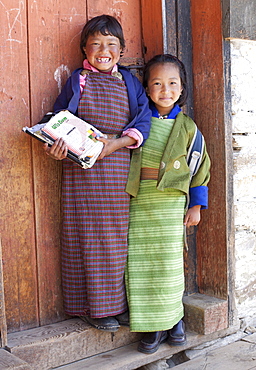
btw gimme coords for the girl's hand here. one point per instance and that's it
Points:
(111, 145)
(192, 216)
(58, 150)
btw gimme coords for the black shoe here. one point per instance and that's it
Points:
(123, 319)
(151, 341)
(104, 323)
(177, 336)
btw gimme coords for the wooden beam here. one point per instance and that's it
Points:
(208, 73)
(239, 19)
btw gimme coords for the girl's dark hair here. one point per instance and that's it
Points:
(106, 25)
(168, 58)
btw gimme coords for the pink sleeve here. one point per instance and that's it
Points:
(135, 134)
(82, 82)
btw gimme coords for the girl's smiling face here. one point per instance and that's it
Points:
(164, 86)
(102, 52)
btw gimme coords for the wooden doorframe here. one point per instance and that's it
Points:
(212, 107)
(30, 240)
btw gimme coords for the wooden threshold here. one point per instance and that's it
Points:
(128, 358)
(74, 343)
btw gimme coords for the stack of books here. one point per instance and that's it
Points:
(79, 135)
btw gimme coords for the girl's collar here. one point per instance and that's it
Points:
(172, 115)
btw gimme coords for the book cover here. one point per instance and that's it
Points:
(79, 135)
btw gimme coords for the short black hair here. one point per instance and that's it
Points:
(106, 25)
(168, 58)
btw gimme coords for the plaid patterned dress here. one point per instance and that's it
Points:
(96, 210)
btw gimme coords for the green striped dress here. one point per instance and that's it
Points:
(154, 271)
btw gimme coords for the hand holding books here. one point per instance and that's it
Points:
(69, 136)
(58, 150)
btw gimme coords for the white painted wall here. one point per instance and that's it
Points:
(243, 89)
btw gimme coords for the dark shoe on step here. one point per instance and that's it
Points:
(123, 318)
(151, 341)
(104, 323)
(177, 336)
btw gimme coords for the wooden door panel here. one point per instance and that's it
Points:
(128, 14)
(40, 49)
(54, 38)
(152, 28)
(16, 203)
(54, 34)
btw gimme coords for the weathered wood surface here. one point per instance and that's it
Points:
(16, 182)
(54, 35)
(239, 19)
(128, 357)
(61, 343)
(209, 115)
(9, 361)
(184, 47)
(40, 48)
(152, 28)
(128, 14)
(177, 29)
(3, 325)
(171, 40)
(68, 341)
(190, 262)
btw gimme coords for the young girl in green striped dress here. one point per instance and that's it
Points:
(159, 182)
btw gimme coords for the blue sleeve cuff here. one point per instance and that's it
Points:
(198, 196)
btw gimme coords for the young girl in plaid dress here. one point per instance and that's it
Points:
(94, 202)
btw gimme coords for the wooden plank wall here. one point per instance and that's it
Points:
(128, 14)
(40, 48)
(206, 19)
(53, 38)
(178, 40)
(17, 198)
(152, 28)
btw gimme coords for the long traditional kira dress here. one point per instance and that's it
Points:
(154, 272)
(96, 210)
